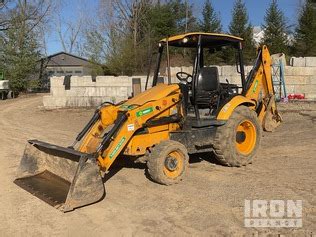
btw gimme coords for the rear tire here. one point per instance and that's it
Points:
(3, 95)
(168, 162)
(237, 142)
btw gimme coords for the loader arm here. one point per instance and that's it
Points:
(131, 121)
(117, 125)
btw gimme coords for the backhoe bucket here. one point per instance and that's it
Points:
(271, 121)
(62, 177)
(272, 118)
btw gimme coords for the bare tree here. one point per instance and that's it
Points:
(4, 19)
(130, 13)
(125, 24)
(70, 29)
(68, 32)
(31, 12)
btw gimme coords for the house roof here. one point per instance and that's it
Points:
(65, 59)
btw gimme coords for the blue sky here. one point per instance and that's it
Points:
(256, 11)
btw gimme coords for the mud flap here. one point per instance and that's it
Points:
(62, 177)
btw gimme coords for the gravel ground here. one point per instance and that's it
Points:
(208, 202)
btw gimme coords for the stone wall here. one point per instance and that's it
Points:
(86, 92)
(298, 80)
(303, 62)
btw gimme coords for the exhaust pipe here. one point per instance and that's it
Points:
(62, 177)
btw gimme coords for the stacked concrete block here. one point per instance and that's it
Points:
(230, 74)
(173, 70)
(104, 80)
(310, 61)
(301, 80)
(174, 79)
(75, 81)
(229, 71)
(300, 71)
(303, 62)
(52, 102)
(290, 89)
(86, 92)
(296, 80)
(57, 86)
(187, 70)
(74, 91)
(277, 58)
(143, 81)
(248, 69)
(297, 62)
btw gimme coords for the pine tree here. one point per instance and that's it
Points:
(305, 37)
(275, 29)
(20, 55)
(182, 15)
(211, 21)
(240, 26)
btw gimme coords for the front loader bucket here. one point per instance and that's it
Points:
(62, 177)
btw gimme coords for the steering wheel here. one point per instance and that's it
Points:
(184, 77)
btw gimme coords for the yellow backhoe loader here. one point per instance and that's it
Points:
(160, 126)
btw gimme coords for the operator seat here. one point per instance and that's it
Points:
(207, 86)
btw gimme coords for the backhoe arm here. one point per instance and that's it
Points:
(259, 88)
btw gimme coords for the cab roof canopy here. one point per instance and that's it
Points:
(208, 40)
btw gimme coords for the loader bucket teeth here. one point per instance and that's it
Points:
(62, 177)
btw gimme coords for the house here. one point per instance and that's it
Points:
(62, 64)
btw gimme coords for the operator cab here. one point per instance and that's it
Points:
(202, 89)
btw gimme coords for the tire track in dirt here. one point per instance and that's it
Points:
(18, 119)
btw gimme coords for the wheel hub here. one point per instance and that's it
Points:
(240, 137)
(246, 137)
(171, 163)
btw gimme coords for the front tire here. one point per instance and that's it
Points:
(237, 142)
(168, 162)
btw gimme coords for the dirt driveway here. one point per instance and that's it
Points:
(210, 201)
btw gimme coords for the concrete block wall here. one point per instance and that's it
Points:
(86, 92)
(303, 61)
(225, 72)
(298, 80)
(300, 76)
